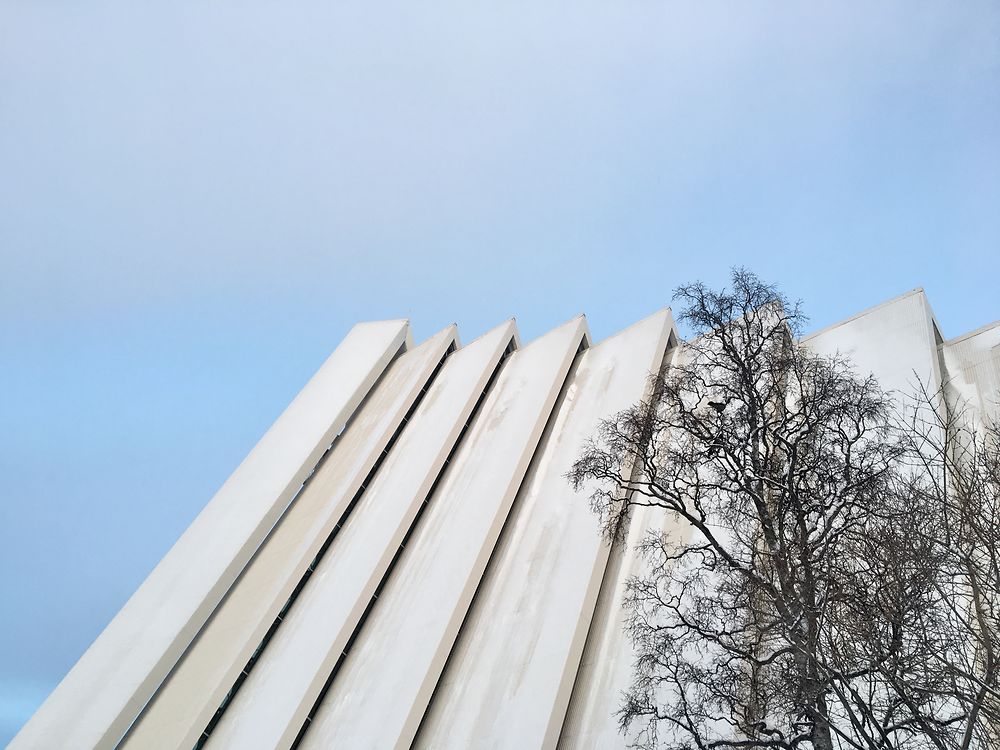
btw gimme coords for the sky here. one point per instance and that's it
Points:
(198, 200)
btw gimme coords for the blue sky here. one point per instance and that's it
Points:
(197, 200)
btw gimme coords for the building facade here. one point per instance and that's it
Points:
(400, 561)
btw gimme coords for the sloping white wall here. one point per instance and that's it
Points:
(273, 703)
(101, 696)
(509, 676)
(895, 341)
(382, 690)
(190, 696)
(972, 371)
(605, 671)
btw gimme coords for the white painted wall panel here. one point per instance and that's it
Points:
(972, 371)
(605, 671)
(509, 676)
(380, 694)
(183, 705)
(273, 703)
(101, 695)
(894, 340)
(606, 666)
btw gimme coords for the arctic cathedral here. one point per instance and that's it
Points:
(400, 561)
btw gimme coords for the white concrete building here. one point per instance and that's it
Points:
(401, 562)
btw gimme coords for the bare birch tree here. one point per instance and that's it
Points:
(954, 453)
(800, 603)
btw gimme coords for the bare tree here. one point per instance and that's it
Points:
(954, 453)
(798, 606)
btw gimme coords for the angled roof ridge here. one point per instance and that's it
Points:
(970, 334)
(509, 324)
(866, 311)
(666, 310)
